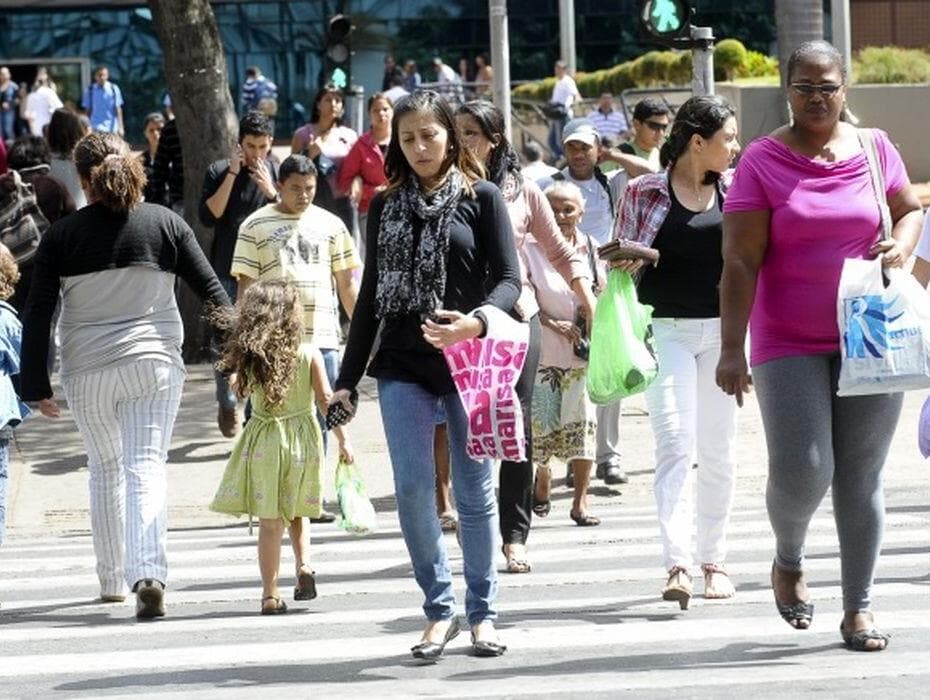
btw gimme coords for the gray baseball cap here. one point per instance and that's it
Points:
(581, 130)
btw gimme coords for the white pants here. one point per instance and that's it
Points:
(692, 420)
(125, 415)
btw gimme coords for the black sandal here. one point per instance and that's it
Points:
(306, 585)
(486, 649)
(794, 613)
(857, 640)
(585, 520)
(279, 608)
(541, 508)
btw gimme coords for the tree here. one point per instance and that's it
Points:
(796, 21)
(195, 68)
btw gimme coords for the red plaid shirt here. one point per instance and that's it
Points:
(645, 205)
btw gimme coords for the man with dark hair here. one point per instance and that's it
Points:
(103, 103)
(255, 89)
(651, 121)
(232, 189)
(297, 241)
(168, 169)
(536, 168)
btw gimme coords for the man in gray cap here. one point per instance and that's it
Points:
(602, 192)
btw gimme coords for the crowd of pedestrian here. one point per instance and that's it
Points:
(419, 234)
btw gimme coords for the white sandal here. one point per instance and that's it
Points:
(717, 583)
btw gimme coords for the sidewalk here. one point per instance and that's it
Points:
(48, 478)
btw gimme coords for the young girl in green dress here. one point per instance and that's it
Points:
(274, 469)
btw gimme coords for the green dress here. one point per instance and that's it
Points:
(274, 469)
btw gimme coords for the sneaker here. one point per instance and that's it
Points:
(324, 517)
(228, 421)
(150, 599)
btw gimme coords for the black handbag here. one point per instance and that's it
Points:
(583, 347)
(22, 223)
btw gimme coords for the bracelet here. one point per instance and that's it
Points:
(234, 174)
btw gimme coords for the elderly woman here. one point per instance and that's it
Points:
(801, 202)
(564, 418)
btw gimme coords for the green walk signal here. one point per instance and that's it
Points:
(338, 78)
(666, 19)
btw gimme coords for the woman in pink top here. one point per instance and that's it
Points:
(564, 418)
(482, 127)
(801, 202)
(327, 143)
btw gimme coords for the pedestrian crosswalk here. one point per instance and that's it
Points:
(587, 621)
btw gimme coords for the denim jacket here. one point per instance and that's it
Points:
(12, 410)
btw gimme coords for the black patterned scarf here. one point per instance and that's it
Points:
(412, 275)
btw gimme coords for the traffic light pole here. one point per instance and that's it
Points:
(500, 59)
(702, 61)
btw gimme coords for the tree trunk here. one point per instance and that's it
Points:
(195, 68)
(796, 21)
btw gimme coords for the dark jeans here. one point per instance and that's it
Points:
(516, 478)
(224, 393)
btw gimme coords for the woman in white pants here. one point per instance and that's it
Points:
(114, 264)
(680, 212)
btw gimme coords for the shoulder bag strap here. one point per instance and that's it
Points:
(592, 263)
(878, 180)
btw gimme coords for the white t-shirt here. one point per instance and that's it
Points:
(564, 92)
(40, 104)
(395, 94)
(598, 219)
(538, 170)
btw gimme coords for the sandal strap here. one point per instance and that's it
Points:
(714, 569)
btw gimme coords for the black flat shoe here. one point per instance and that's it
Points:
(324, 517)
(306, 586)
(859, 641)
(486, 649)
(799, 615)
(585, 520)
(432, 650)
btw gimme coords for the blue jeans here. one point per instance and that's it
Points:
(7, 124)
(408, 412)
(225, 396)
(331, 364)
(4, 472)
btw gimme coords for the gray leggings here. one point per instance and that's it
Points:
(817, 439)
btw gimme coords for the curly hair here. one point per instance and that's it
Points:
(265, 330)
(115, 175)
(9, 273)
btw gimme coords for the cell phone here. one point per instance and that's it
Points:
(337, 414)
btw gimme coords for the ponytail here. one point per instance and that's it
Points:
(116, 179)
(704, 116)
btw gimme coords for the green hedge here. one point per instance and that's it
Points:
(891, 64)
(659, 68)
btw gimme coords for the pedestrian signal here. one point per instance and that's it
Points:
(666, 19)
(337, 56)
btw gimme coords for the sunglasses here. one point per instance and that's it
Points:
(657, 126)
(825, 89)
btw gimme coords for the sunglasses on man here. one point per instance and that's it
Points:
(656, 126)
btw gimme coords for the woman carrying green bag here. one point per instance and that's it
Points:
(679, 212)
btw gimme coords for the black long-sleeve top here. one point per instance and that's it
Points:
(167, 172)
(245, 198)
(115, 273)
(482, 268)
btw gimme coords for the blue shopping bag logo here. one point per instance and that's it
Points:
(867, 325)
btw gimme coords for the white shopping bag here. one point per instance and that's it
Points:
(884, 331)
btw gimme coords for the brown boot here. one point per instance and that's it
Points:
(228, 421)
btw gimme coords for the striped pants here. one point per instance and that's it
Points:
(125, 415)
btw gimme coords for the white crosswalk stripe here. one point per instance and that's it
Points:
(587, 621)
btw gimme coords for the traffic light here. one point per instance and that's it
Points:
(666, 20)
(338, 54)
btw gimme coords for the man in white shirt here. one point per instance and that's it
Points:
(564, 95)
(40, 104)
(536, 168)
(450, 84)
(602, 193)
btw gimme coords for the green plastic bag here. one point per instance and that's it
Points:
(358, 514)
(622, 361)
